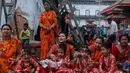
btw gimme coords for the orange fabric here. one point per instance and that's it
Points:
(10, 49)
(47, 40)
(92, 42)
(96, 53)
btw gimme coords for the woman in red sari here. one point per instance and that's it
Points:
(107, 63)
(48, 21)
(10, 50)
(69, 49)
(96, 52)
(120, 51)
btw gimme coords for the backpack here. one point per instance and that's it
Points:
(37, 36)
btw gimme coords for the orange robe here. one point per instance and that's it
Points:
(47, 40)
(10, 49)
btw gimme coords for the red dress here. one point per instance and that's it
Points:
(69, 51)
(107, 65)
(22, 67)
(120, 56)
(84, 64)
(66, 66)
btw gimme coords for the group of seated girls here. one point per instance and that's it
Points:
(101, 57)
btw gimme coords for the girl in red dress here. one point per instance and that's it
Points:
(84, 60)
(27, 64)
(66, 64)
(107, 63)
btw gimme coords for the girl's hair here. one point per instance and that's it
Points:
(63, 46)
(86, 50)
(62, 33)
(107, 44)
(47, 2)
(6, 25)
(122, 36)
(100, 37)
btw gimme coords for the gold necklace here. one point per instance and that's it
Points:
(3, 48)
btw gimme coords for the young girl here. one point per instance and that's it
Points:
(66, 64)
(55, 61)
(27, 64)
(84, 60)
(126, 64)
(107, 63)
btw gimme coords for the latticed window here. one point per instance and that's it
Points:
(87, 12)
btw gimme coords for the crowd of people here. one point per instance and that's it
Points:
(100, 56)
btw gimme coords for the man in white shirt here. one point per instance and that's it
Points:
(113, 26)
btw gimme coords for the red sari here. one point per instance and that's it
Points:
(120, 56)
(107, 65)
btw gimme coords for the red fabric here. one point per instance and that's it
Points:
(66, 66)
(84, 64)
(65, 70)
(107, 65)
(23, 66)
(92, 42)
(120, 56)
(70, 50)
(42, 70)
